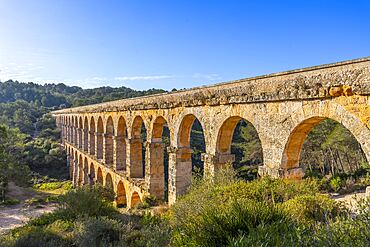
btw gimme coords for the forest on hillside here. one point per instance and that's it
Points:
(30, 140)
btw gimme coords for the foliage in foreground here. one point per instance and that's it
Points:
(265, 212)
(223, 211)
(86, 217)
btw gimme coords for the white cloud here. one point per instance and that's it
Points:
(98, 78)
(23, 73)
(209, 77)
(138, 78)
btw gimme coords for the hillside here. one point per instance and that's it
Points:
(24, 118)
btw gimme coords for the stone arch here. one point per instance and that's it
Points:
(155, 168)
(86, 172)
(75, 127)
(312, 114)
(75, 168)
(121, 199)
(109, 182)
(72, 130)
(99, 176)
(68, 129)
(108, 141)
(99, 137)
(137, 152)
(184, 163)
(294, 145)
(80, 170)
(92, 136)
(79, 132)
(120, 149)
(184, 130)
(225, 135)
(92, 174)
(86, 134)
(184, 135)
(135, 199)
(71, 161)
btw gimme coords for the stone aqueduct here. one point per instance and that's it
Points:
(104, 145)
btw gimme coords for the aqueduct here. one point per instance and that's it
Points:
(104, 142)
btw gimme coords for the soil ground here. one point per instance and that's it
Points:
(12, 216)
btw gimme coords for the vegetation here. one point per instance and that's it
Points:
(264, 212)
(86, 217)
(330, 149)
(226, 211)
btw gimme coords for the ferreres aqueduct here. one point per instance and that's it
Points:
(104, 143)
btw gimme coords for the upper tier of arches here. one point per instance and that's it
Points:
(280, 126)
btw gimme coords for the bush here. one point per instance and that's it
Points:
(218, 224)
(100, 231)
(32, 236)
(87, 201)
(336, 184)
(222, 211)
(67, 185)
(311, 208)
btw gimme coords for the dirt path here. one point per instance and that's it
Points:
(350, 200)
(18, 215)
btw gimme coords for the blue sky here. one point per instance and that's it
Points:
(174, 44)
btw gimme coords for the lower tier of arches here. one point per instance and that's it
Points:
(87, 170)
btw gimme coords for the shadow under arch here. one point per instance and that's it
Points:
(135, 199)
(85, 171)
(137, 148)
(75, 131)
(158, 158)
(92, 131)
(121, 199)
(120, 161)
(109, 132)
(100, 141)
(109, 182)
(86, 134)
(79, 131)
(92, 174)
(99, 176)
(80, 170)
(191, 144)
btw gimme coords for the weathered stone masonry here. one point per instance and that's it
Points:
(104, 145)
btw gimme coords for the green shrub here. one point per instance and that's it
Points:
(150, 201)
(67, 185)
(100, 231)
(46, 218)
(218, 224)
(31, 236)
(52, 198)
(35, 201)
(311, 208)
(87, 201)
(10, 201)
(336, 184)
